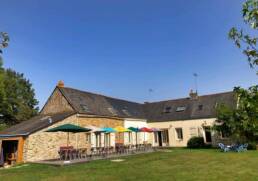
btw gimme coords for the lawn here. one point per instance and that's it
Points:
(175, 164)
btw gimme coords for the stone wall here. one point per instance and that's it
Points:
(95, 121)
(218, 139)
(43, 145)
(56, 104)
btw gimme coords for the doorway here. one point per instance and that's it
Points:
(10, 151)
(97, 139)
(207, 131)
(160, 138)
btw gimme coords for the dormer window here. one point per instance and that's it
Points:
(167, 109)
(180, 108)
(84, 107)
(125, 111)
(112, 111)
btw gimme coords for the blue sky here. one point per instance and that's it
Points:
(124, 48)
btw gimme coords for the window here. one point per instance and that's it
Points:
(84, 107)
(200, 107)
(126, 112)
(167, 109)
(165, 136)
(112, 111)
(88, 138)
(179, 133)
(180, 108)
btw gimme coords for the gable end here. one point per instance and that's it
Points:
(56, 103)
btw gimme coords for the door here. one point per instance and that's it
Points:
(208, 134)
(107, 140)
(160, 138)
(98, 139)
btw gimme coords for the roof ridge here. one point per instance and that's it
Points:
(177, 99)
(97, 94)
(188, 98)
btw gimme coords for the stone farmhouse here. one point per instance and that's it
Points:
(177, 120)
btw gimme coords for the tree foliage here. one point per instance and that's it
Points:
(20, 103)
(4, 42)
(241, 123)
(246, 42)
(17, 97)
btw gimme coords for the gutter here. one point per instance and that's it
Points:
(13, 135)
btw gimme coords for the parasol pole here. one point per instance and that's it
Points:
(67, 138)
(136, 136)
(144, 138)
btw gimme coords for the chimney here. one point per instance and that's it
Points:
(193, 95)
(60, 83)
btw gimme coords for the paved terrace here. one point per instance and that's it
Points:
(58, 162)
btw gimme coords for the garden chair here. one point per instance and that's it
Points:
(83, 153)
(74, 154)
(241, 147)
(223, 147)
(93, 151)
(111, 150)
(62, 154)
(245, 147)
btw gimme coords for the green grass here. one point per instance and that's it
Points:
(178, 164)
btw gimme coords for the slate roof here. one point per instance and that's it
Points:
(34, 124)
(155, 112)
(97, 104)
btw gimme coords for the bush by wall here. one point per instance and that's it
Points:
(196, 142)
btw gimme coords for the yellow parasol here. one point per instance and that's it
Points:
(121, 129)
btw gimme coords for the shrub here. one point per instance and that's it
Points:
(251, 146)
(196, 142)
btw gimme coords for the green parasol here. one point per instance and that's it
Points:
(69, 128)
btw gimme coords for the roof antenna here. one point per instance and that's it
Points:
(195, 81)
(150, 90)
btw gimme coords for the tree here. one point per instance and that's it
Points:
(4, 40)
(17, 97)
(246, 42)
(241, 122)
(20, 103)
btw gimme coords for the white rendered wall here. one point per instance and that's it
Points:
(141, 137)
(186, 126)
